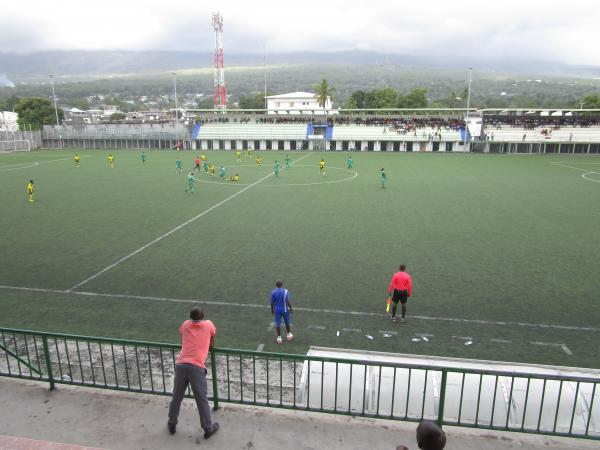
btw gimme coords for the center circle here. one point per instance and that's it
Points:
(351, 176)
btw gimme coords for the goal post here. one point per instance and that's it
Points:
(16, 145)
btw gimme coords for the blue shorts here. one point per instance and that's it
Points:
(286, 318)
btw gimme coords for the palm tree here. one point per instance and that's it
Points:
(323, 92)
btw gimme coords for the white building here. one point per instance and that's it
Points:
(8, 121)
(296, 103)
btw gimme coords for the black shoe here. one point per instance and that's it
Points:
(171, 427)
(215, 428)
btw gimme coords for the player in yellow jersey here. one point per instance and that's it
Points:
(76, 160)
(322, 166)
(235, 177)
(212, 169)
(258, 160)
(249, 152)
(202, 158)
(238, 155)
(30, 191)
(111, 160)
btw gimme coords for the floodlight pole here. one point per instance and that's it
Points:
(51, 76)
(468, 107)
(265, 73)
(176, 113)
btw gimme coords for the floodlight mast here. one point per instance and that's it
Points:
(51, 76)
(220, 93)
(466, 141)
(176, 110)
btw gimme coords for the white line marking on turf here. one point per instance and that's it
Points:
(563, 347)
(177, 228)
(29, 165)
(260, 347)
(21, 166)
(501, 341)
(584, 175)
(236, 183)
(566, 349)
(316, 327)
(314, 310)
(352, 330)
(388, 332)
(588, 171)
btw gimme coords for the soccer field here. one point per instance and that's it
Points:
(504, 250)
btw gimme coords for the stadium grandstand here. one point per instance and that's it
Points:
(428, 130)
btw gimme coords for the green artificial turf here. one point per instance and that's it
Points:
(489, 239)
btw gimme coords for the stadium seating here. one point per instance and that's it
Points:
(563, 134)
(375, 133)
(252, 131)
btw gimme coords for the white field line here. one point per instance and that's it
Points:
(573, 167)
(299, 308)
(260, 347)
(563, 347)
(583, 175)
(341, 180)
(29, 165)
(21, 166)
(177, 228)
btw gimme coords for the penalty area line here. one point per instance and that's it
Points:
(300, 308)
(170, 232)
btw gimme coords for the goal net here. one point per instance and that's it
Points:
(19, 145)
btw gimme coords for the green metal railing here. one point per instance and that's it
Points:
(500, 400)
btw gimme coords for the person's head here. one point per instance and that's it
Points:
(402, 267)
(430, 436)
(196, 313)
(31, 181)
(382, 169)
(279, 283)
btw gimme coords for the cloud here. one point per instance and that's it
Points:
(511, 28)
(5, 82)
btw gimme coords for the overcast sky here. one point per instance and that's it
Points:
(565, 31)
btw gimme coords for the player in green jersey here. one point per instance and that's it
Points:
(287, 161)
(349, 163)
(222, 172)
(191, 180)
(143, 155)
(276, 168)
(178, 168)
(383, 177)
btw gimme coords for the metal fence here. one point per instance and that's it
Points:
(19, 140)
(523, 402)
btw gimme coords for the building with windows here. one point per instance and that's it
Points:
(296, 103)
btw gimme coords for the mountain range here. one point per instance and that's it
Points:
(28, 67)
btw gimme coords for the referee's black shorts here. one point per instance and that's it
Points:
(400, 296)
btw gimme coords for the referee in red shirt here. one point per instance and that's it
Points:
(400, 290)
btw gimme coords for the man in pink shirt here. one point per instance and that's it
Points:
(401, 289)
(197, 338)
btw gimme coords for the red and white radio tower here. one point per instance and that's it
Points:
(220, 93)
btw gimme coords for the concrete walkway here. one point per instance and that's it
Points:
(116, 420)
